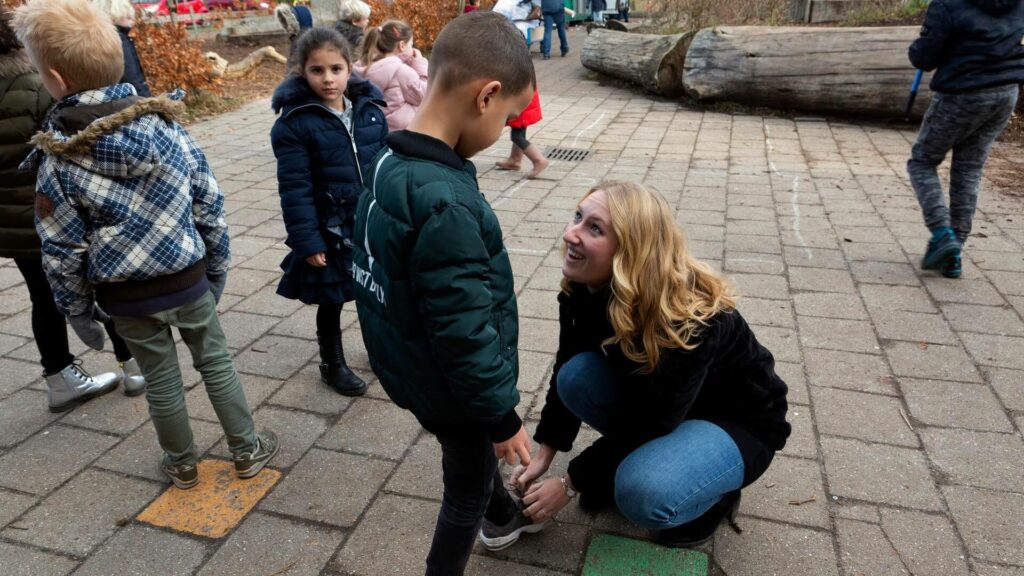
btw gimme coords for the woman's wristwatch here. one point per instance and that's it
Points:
(569, 491)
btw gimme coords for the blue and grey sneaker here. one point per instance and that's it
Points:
(496, 537)
(942, 247)
(952, 268)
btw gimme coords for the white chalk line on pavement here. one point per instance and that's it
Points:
(794, 196)
(592, 124)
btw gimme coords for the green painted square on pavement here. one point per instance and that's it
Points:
(610, 555)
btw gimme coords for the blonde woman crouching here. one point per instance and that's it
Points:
(653, 355)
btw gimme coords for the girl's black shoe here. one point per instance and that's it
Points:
(701, 529)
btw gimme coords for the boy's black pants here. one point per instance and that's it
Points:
(473, 489)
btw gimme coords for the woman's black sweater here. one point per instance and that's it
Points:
(728, 379)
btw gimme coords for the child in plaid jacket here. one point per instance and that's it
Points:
(131, 217)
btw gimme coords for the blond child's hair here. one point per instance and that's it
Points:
(662, 296)
(72, 37)
(353, 10)
(118, 10)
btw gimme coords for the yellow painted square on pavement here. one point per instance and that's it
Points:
(215, 505)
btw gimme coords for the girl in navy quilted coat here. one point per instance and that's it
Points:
(330, 127)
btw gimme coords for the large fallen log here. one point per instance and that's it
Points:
(845, 70)
(221, 69)
(653, 61)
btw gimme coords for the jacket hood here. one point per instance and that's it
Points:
(88, 129)
(295, 91)
(14, 64)
(996, 7)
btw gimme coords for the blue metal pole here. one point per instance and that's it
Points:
(913, 91)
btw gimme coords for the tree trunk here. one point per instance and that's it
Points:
(653, 61)
(845, 70)
(221, 68)
(620, 26)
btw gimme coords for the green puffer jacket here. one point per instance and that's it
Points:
(23, 103)
(434, 289)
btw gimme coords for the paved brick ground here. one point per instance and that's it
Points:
(907, 389)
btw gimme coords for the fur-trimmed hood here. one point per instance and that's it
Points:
(14, 64)
(295, 91)
(92, 129)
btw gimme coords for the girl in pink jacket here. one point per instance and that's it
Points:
(399, 70)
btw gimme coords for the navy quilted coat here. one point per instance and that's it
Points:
(320, 169)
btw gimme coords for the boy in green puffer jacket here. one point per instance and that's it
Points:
(433, 282)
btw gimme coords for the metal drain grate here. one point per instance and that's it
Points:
(568, 154)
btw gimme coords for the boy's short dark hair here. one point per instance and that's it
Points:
(482, 44)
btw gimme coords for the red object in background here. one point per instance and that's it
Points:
(159, 8)
(469, 8)
(238, 4)
(531, 114)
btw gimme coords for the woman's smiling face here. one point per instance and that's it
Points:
(590, 243)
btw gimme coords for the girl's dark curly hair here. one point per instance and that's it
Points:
(8, 40)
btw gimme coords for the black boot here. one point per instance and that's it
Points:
(333, 369)
(701, 529)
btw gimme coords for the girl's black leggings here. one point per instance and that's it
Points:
(519, 138)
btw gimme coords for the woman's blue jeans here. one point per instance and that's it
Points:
(669, 480)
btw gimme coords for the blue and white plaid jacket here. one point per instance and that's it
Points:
(130, 196)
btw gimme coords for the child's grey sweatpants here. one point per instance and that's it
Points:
(966, 123)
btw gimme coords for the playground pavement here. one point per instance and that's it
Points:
(906, 389)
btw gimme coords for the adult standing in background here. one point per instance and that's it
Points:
(353, 17)
(553, 12)
(122, 13)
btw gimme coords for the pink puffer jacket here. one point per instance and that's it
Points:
(403, 80)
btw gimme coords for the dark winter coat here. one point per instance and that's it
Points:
(434, 288)
(132, 67)
(304, 17)
(352, 33)
(729, 379)
(23, 104)
(975, 44)
(320, 170)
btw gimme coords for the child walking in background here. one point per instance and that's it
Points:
(390, 61)
(434, 286)
(122, 13)
(330, 128)
(130, 216)
(978, 48)
(520, 145)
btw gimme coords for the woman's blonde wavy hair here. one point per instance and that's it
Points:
(661, 296)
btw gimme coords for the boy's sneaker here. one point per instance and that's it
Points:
(952, 268)
(184, 476)
(496, 538)
(942, 247)
(249, 464)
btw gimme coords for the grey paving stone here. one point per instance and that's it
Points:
(954, 405)
(140, 453)
(114, 413)
(1008, 282)
(802, 440)
(139, 550)
(769, 549)
(306, 391)
(23, 561)
(761, 285)
(328, 487)
(534, 371)
(852, 510)
(922, 360)
(419, 474)
(814, 257)
(275, 357)
(963, 290)
(819, 280)
(870, 417)
(884, 273)
(538, 335)
(985, 569)
(1008, 384)
(788, 480)
(392, 538)
(13, 504)
(984, 459)
(537, 304)
(865, 550)
(926, 543)
(256, 388)
(545, 277)
(999, 320)
(874, 252)
(753, 263)
(878, 473)
(912, 326)
(487, 566)
(989, 522)
(829, 305)
(560, 546)
(275, 546)
(242, 329)
(763, 312)
(82, 513)
(373, 427)
(246, 282)
(18, 374)
(296, 431)
(265, 301)
(836, 334)
(21, 415)
(861, 372)
(302, 323)
(793, 374)
(1002, 351)
(31, 466)
(751, 243)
